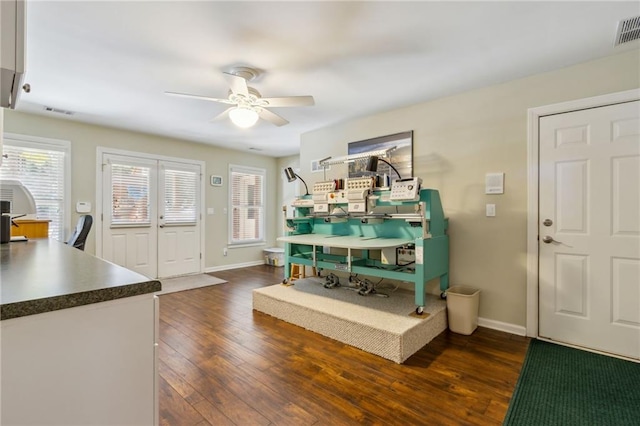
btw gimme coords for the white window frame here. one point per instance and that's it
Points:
(64, 146)
(249, 170)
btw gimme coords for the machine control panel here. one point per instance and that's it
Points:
(337, 197)
(405, 189)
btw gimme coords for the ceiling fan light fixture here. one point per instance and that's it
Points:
(243, 117)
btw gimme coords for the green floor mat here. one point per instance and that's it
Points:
(565, 386)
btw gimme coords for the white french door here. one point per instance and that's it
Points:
(589, 228)
(179, 219)
(151, 215)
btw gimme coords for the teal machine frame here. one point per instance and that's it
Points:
(424, 228)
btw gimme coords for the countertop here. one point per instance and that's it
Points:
(43, 275)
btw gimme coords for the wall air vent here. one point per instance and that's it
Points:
(628, 30)
(58, 111)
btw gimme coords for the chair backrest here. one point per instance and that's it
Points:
(79, 235)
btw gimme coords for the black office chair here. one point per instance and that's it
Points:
(79, 235)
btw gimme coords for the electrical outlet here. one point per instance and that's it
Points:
(224, 251)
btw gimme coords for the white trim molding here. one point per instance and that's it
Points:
(533, 117)
(234, 266)
(502, 326)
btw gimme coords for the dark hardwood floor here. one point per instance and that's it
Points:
(221, 363)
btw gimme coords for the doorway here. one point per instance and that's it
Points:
(151, 213)
(584, 232)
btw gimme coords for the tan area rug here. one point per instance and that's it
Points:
(382, 326)
(188, 282)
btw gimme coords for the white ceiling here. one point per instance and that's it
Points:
(110, 62)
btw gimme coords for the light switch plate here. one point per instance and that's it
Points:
(491, 210)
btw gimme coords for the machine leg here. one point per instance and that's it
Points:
(444, 285)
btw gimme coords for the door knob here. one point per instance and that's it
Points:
(547, 239)
(547, 222)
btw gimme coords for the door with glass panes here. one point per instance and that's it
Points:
(151, 215)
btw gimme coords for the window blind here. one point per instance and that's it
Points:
(130, 192)
(180, 188)
(247, 192)
(42, 171)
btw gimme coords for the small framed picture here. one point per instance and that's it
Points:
(216, 180)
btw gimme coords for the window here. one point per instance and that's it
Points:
(180, 193)
(130, 192)
(42, 166)
(246, 195)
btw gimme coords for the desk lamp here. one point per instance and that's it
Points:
(291, 176)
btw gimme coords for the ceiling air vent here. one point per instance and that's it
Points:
(58, 111)
(628, 30)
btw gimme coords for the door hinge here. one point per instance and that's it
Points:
(101, 217)
(200, 255)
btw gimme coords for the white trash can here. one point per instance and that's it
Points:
(462, 309)
(274, 256)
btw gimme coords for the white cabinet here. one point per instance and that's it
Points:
(88, 365)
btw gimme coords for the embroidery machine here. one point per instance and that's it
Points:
(397, 233)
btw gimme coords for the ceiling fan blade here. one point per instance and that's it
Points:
(272, 117)
(289, 101)
(237, 84)
(224, 114)
(202, 98)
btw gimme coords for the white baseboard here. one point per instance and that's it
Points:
(503, 326)
(233, 266)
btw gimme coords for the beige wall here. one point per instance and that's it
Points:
(86, 138)
(460, 138)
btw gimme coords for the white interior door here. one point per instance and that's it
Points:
(589, 230)
(179, 219)
(129, 217)
(151, 215)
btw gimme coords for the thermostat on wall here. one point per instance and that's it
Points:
(494, 183)
(83, 207)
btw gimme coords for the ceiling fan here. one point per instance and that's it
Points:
(247, 103)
